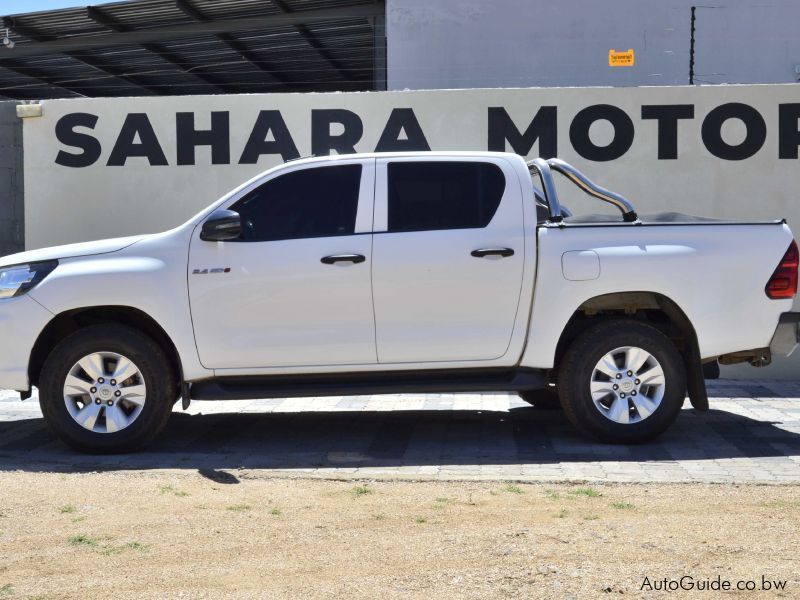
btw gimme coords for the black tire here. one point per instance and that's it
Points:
(577, 366)
(544, 399)
(154, 368)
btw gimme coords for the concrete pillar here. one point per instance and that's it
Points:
(12, 212)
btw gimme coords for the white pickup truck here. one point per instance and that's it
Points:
(382, 273)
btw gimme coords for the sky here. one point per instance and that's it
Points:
(13, 7)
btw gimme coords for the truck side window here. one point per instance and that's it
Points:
(443, 195)
(316, 202)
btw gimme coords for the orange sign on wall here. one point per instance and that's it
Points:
(621, 59)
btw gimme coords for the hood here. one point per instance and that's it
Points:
(70, 250)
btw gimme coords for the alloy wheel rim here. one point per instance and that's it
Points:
(627, 385)
(104, 392)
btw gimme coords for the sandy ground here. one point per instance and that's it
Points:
(178, 535)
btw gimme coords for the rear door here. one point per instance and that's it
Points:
(448, 254)
(294, 290)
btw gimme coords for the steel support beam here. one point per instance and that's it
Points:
(174, 32)
(14, 25)
(35, 75)
(314, 42)
(226, 38)
(17, 27)
(103, 18)
(114, 71)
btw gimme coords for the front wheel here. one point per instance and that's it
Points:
(106, 389)
(622, 381)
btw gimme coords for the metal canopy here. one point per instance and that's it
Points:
(171, 47)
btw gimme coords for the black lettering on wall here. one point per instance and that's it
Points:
(323, 142)
(667, 116)
(711, 131)
(583, 144)
(218, 137)
(257, 144)
(543, 127)
(136, 124)
(402, 119)
(66, 134)
(788, 130)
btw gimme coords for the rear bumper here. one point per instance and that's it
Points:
(787, 334)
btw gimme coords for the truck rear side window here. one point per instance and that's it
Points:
(443, 195)
(315, 202)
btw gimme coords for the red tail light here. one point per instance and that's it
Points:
(783, 283)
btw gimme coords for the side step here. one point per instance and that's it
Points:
(356, 384)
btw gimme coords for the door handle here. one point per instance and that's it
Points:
(492, 252)
(335, 258)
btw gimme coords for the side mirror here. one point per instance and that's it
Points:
(221, 225)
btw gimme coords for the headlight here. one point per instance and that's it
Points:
(17, 280)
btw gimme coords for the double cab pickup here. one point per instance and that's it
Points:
(390, 273)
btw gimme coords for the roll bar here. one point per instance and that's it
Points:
(544, 169)
(540, 166)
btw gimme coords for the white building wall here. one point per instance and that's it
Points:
(88, 175)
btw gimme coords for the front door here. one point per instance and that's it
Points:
(294, 290)
(448, 253)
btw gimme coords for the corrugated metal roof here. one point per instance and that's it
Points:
(313, 45)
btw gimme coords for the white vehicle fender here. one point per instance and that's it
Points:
(699, 268)
(149, 276)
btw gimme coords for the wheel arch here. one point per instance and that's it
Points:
(654, 308)
(67, 322)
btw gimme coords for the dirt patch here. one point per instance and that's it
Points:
(170, 535)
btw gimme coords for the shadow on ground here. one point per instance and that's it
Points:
(307, 440)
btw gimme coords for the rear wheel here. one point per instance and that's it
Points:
(106, 389)
(622, 381)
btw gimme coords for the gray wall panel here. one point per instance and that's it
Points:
(741, 42)
(521, 43)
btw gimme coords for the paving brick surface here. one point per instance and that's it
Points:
(750, 435)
